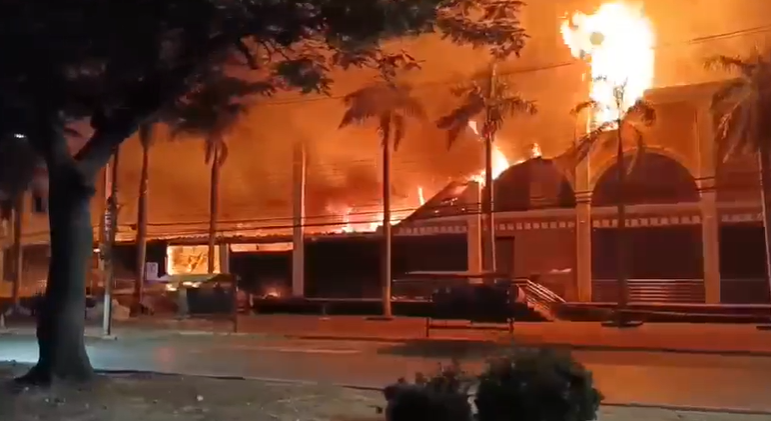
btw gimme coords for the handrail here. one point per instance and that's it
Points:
(538, 296)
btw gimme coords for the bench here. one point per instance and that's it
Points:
(486, 300)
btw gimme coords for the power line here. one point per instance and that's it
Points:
(693, 41)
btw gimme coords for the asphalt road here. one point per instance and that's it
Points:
(676, 379)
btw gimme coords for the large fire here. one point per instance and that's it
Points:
(500, 162)
(617, 41)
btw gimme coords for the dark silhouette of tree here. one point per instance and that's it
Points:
(389, 104)
(117, 64)
(743, 106)
(146, 140)
(492, 99)
(626, 127)
(210, 110)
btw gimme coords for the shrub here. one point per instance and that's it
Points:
(442, 397)
(537, 385)
(527, 385)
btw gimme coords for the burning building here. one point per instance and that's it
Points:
(554, 216)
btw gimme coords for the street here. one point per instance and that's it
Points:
(648, 378)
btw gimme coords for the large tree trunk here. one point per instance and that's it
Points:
(387, 232)
(142, 220)
(213, 207)
(61, 321)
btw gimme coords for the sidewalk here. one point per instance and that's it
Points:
(696, 338)
(701, 338)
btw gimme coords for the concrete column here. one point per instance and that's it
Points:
(583, 230)
(710, 241)
(298, 220)
(224, 255)
(710, 219)
(474, 232)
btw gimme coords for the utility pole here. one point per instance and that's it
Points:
(108, 240)
(298, 220)
(488, 208)
(18, 251)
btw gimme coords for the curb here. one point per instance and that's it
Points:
(576, 347)
(681, 408)
(402, 340)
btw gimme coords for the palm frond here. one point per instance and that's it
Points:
(730, 64)
(399, 126)
(642, 112)
(515, 104)
(384, 127)
(639, 151)
(727, 94)
(589, 105)
(375, 100)
(363, 104)
(456, 121)
(587, 142)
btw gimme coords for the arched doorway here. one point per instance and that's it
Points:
(654, 252)
(531, 189)
(534, 184)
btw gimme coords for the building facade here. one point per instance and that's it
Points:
(687, 211)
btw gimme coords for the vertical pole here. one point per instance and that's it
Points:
(214, 182)
(298, 220)
(474, 234)
(621, 245)
(488, 249)
(18, 250)
(145, 132)
(764, 161)
(111, 226)
(387, 231)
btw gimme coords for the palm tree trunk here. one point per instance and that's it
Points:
(213, 207)
(111, 231)
(488, 249)
(764, 162)
(621, 243)
(144, 133)
(387, 232)
(18, 250)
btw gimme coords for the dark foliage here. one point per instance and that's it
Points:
(122, 64)
(442, 397)
(537, 385)
(528, 385)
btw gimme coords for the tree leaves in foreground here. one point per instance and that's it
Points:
(119, 64)
(743, 104)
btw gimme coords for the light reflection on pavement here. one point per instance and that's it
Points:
(624, 377)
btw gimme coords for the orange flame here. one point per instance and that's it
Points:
(617, 41)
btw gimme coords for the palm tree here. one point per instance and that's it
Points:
(389, 103)
(210, 111)
(743, 106)
(493, 99)
(628, 124)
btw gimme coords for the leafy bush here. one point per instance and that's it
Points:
(527, 385)
(442, 397)
(537, 385)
